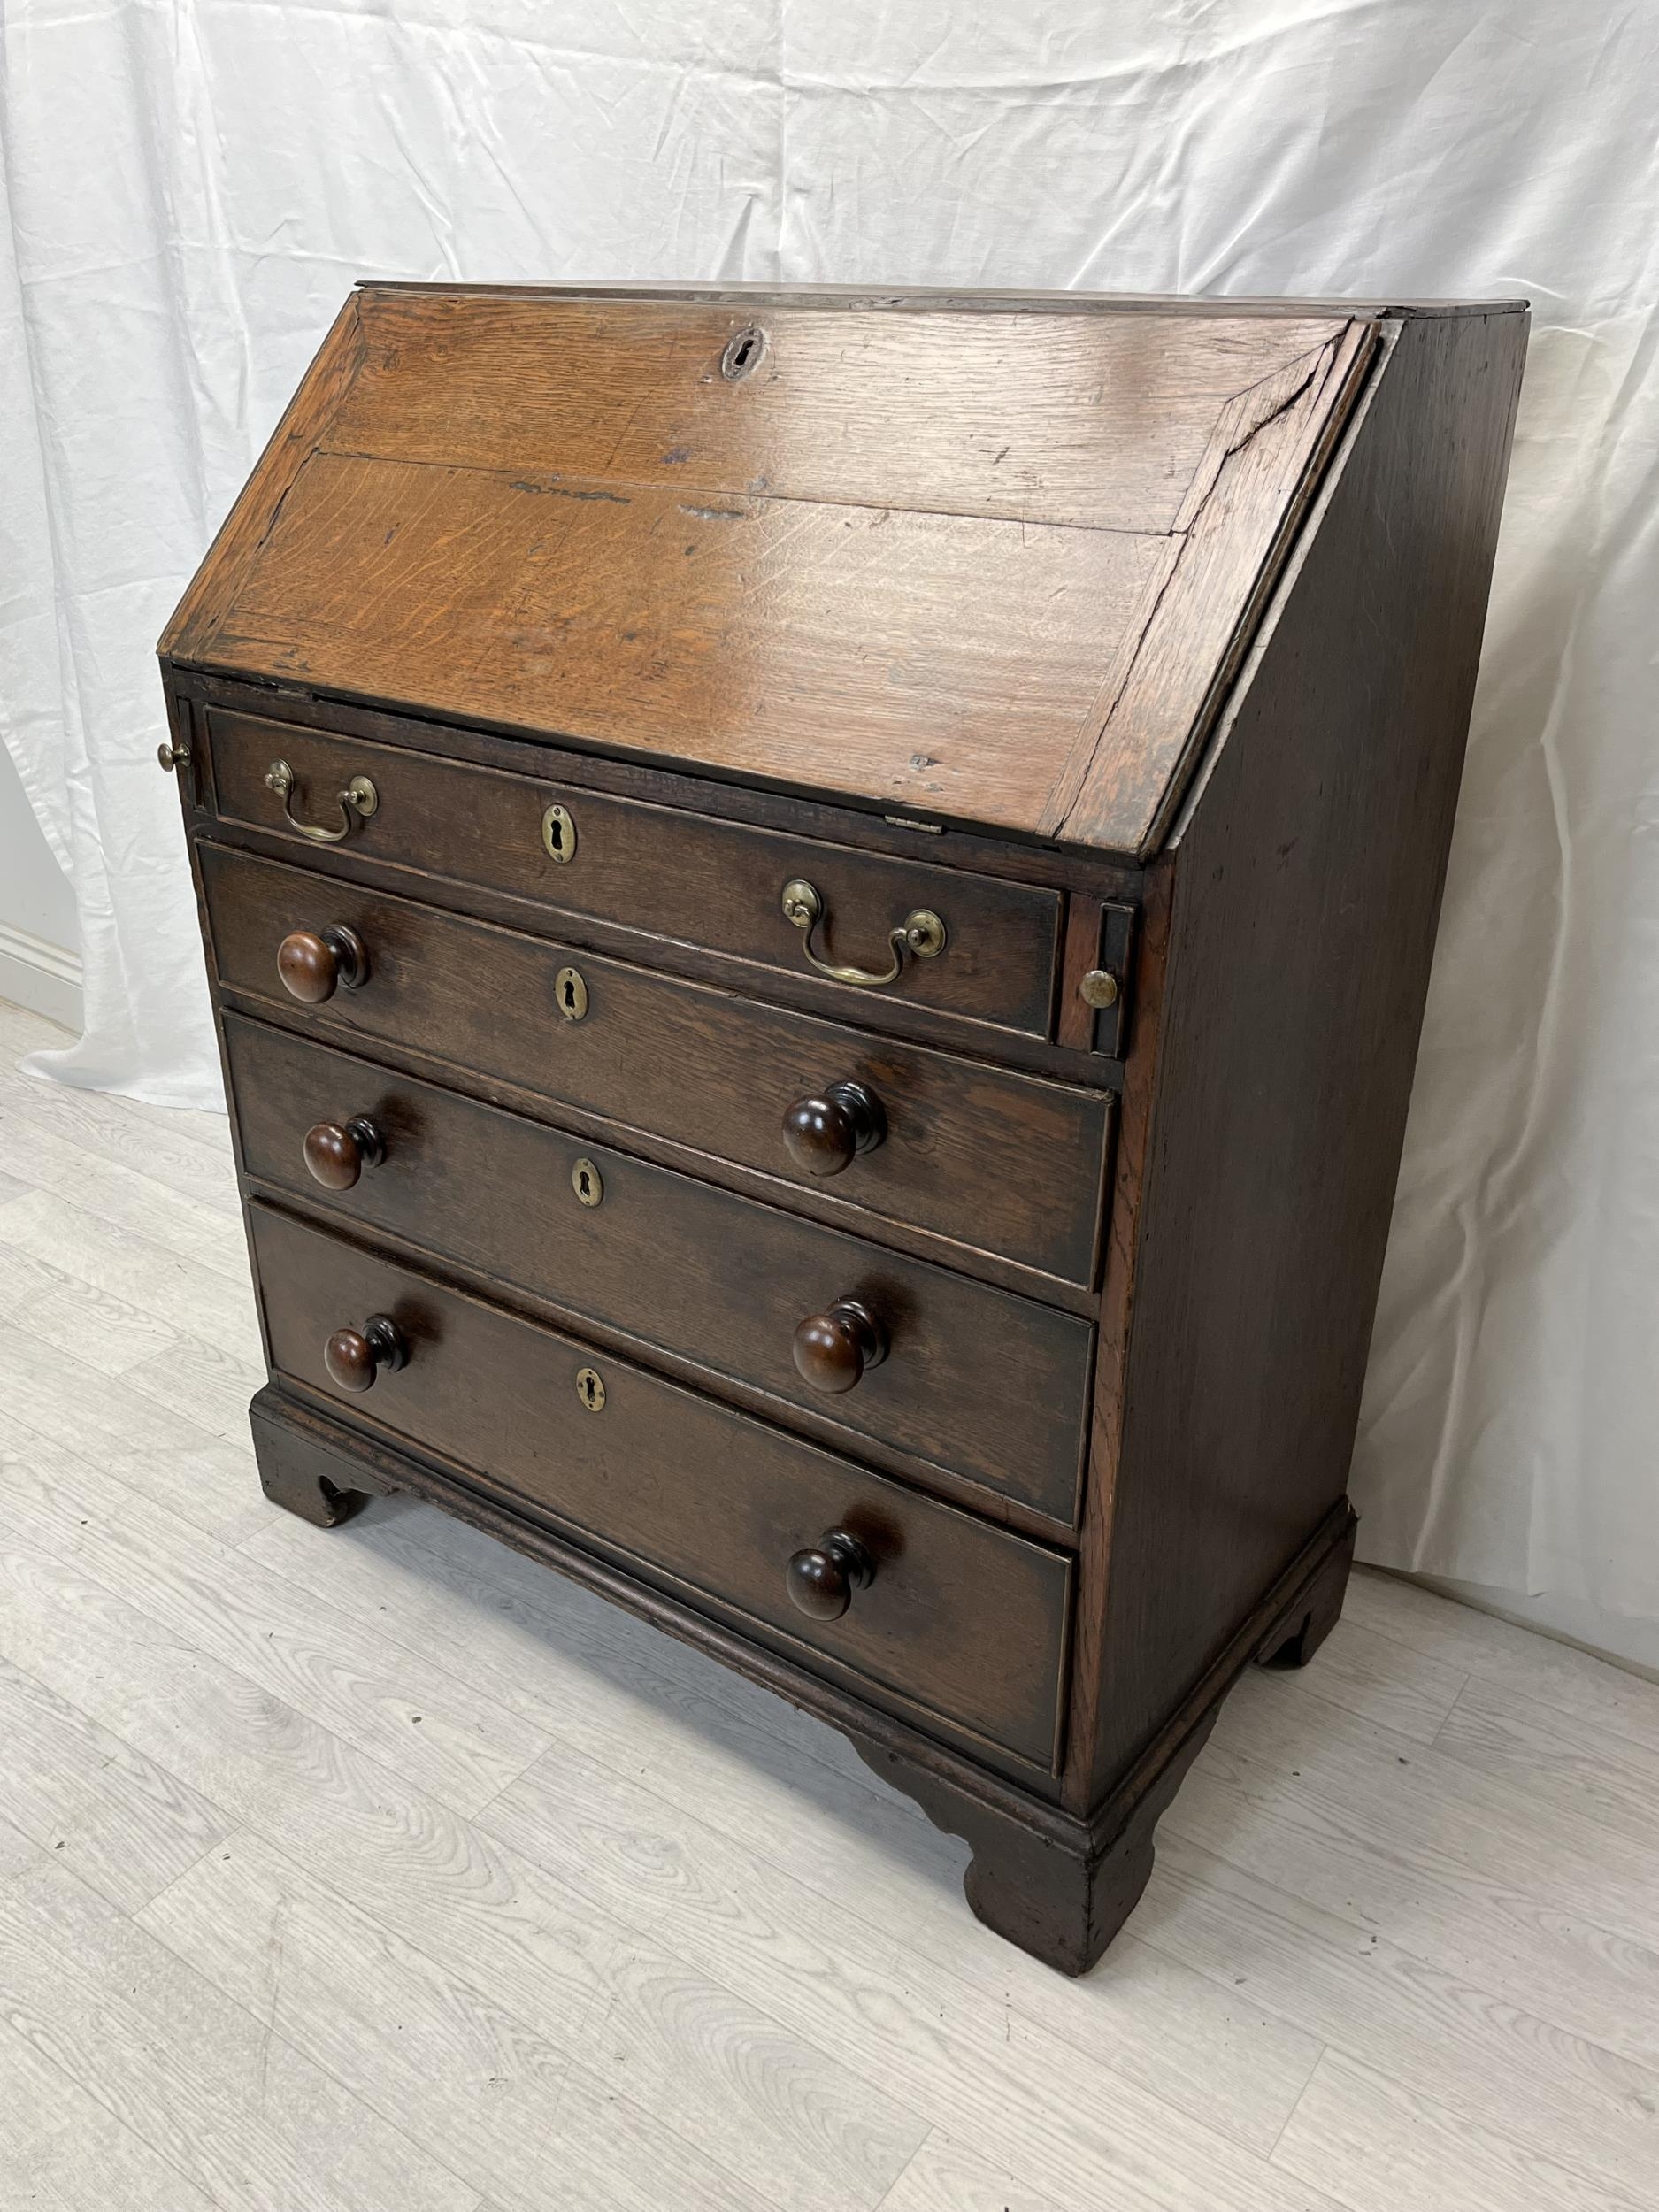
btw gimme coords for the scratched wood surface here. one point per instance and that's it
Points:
(994, 567)
(380, 1871)
(1101, 422)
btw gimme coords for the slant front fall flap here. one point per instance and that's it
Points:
(992, 564)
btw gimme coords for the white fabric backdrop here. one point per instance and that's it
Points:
(192, 187)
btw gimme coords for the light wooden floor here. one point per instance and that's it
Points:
(380, 1871)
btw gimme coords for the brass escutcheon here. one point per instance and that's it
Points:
(558, 833)
(587, 1183)
(921, 936)
(570, 994)
(590, 1388)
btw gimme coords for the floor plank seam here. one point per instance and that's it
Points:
(1419, 1958)
(71, 2087)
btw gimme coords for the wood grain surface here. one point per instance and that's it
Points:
(665, 876)
(1098, 421)
(685, 1490)
(995, 566)
(985, 1385)
(1304, 897)
(938, 661)
(968, 1150)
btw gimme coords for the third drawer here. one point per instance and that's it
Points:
(991, 1387)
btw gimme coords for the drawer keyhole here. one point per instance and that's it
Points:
(590, 1389)
(585, 1180)
(571, 994)
(558, 834)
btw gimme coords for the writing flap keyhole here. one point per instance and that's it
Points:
(742, 354)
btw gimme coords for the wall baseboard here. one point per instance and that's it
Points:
(1628, 1641)
(44, 977)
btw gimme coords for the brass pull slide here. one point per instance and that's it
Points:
(358, 801)
(921, 934)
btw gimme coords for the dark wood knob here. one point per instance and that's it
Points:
(825, 1134)
(833, 1349)
(821, 1581)
(354, 1357)
(312, 962)
(336, 1153)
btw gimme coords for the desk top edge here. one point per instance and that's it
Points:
(963, 299)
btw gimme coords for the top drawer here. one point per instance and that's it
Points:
(659, 871)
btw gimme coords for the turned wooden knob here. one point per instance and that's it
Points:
(354, 1357)
(833, 1349)
(825, 1134)
(312, 962)
(821, 1581)
(336, 1153)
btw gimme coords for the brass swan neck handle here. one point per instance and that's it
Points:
(356, 803)
(921, 936)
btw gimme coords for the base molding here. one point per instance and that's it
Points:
(45, 978)
(1061, 1886)
(1058, 1885)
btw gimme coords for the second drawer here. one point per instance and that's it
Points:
(991, 1387)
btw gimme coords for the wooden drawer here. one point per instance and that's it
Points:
(987, 1385)
(995, 1161)
(962, 1619)
(666, 873)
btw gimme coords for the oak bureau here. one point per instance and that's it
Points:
(818, 906)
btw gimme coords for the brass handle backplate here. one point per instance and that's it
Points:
(356, 803)
(921, 936)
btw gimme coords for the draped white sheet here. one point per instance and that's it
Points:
(190, 189)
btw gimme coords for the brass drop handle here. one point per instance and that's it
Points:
(337, 1152)
(312, 962)
(356, 803)
(832, 1348)
(921, 936)
(354, 1357)
(825, 1134)
(821, 1581)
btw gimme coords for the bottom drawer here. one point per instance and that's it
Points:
(958, 1618)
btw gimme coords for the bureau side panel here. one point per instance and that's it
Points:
(1306, 891)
